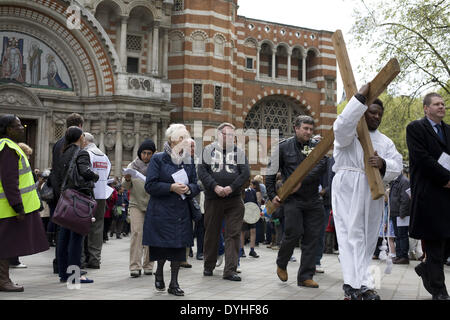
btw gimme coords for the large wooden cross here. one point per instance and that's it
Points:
(377, 86)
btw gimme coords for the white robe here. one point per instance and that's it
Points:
(357, 217)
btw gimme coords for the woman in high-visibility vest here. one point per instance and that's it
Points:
(21, 229)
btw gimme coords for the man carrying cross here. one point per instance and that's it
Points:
(303, 208)
(357, 216)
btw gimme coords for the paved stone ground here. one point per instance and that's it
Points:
(259, 280)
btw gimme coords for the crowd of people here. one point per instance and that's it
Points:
(166, 199)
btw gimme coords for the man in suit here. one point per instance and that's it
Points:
(427, 139)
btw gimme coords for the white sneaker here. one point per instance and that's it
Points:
(19, 266)
(219, 260)
(319, 269)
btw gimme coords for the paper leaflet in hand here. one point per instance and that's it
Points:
(181, 177)
(134, 174)
(444, 160)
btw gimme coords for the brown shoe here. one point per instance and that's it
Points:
(310, 283)
(282, 274)
(11, 287)
(401, 261)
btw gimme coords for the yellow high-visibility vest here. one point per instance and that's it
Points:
(27, 186)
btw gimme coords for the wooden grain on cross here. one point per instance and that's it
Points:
(377, 86)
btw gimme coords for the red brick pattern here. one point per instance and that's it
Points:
(241, 89)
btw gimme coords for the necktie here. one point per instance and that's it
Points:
(439, 132)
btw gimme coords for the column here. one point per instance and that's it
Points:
(289, 52)
(155, 132)
(274, 53)
(164, 126)
(118, 146)
(258, 61)
(101, 140)
(155, 49)
(137, 126)
(149, 51)
(87, 123)
(166, 54)
(123, 43)
(304, 69)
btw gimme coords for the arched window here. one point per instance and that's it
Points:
(219, 46)
(198, 42)
(274, 112)
(176, 42)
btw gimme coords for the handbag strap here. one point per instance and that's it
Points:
(71, 166)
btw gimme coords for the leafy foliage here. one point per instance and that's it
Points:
(416, 32)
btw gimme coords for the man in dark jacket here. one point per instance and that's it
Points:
(399, 204)
(428, 139)
(303, 209)
(223, 172)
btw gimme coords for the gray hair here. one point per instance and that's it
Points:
(303, 119)
(175, 131)
(225, 124)
(89, 137)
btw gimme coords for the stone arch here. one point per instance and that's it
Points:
(119, 3)
(313, 49)
(251, 42)
(285, 45)
(18, 96)
(82, 50)
(219, 44)
(199, 38)
(146, 4)
(268, 42)
(176, 41)
(274, 111)
(312, 60)
(103, 16)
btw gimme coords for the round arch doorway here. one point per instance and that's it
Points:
(274, 112)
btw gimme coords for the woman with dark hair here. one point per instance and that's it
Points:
(139, 255)
(21, 229)
(70, 242)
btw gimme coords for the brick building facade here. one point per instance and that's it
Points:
(133, 66)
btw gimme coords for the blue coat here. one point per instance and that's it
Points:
(168, 222)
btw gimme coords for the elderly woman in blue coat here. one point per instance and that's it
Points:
(171, 181)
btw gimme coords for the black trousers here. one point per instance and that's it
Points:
(437, 252)
(303, 221)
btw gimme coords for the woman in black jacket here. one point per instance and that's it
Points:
(70, 242)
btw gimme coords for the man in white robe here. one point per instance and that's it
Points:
(357, 217)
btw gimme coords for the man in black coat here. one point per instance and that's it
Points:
(303, 209)
(427, 139)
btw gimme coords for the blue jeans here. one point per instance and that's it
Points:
(401, 239)
(69, 251)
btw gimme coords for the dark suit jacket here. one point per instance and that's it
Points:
(430, 202)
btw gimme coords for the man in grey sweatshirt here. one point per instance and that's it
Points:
(224, 171)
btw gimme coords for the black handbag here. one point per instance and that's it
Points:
(74, 210)
(46, 191)
(194, 208)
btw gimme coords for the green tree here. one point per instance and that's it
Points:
(416, 32)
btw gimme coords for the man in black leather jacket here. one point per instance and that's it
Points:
(303, 209)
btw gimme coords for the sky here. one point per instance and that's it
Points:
(315, 14)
